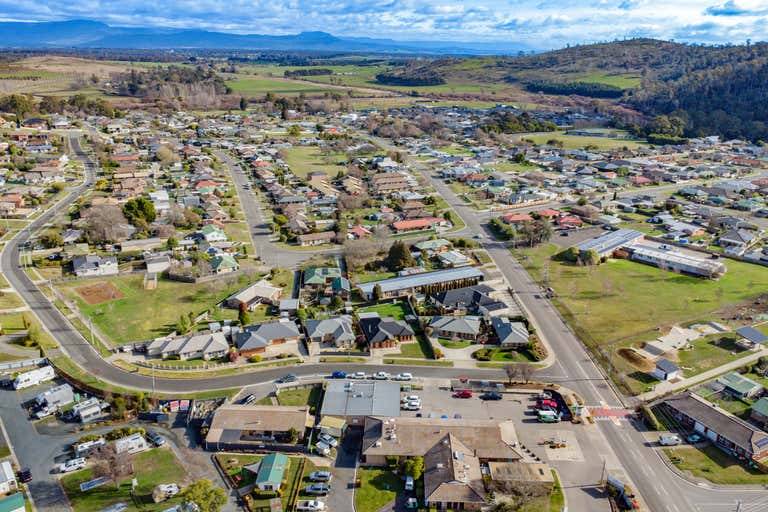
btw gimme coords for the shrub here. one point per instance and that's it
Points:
(254, 359)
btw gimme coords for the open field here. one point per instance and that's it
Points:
(259, 86)
(152, 467)
(98, 292)
(143, 314)
(714, 465)
(576, 141)
(305, 159)
(643, 297)
(377, 488)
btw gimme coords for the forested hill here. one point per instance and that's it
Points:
(714, 90)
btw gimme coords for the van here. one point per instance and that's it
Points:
(547, 416)
(409, 483)
(669, 440)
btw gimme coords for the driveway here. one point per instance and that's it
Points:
(342, 496)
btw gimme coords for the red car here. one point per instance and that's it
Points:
(546, 404)
(464, 393)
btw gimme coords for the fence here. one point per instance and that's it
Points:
(202, 279)
(12, 365)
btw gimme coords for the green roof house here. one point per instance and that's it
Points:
(760, 412)
(436, 245)
(739, 386)
(12, 503)
(224, 263)
(320, 276)
(271, 471)
(211, 233)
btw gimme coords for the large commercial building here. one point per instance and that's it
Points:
(354, 400)
(406, 285)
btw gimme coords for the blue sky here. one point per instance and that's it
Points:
(537, 23)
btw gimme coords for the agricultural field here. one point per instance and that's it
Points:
(259, 86)
(578, 142)
(132, 313)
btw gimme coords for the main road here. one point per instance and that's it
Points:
(661, 488)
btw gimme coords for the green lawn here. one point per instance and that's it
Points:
(14, 323)
(153, 467)
(714, 465)
(421, 349)
(367, 277)
(710, 352)
(259, 86)
(577, 141)
(9, 300)
(552, 503)
(5, 451)
(145, 314)
(641, 296)
(304, 396)
(303, 159)
(377, 488)
(454, 343)
(417, 362)
(396, 310)
(283, 277)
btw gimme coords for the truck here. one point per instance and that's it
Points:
(310, 506)
(34, 377)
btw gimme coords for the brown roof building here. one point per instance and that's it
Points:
(247, 427)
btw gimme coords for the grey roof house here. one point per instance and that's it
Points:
(463, 327)
(199, 346)
(384, 332)
(510, 334)
(270, 338)
(337, 331)
(94, 265)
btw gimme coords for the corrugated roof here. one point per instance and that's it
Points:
(440, 276)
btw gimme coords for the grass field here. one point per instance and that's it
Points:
(714, 465)
(377, 488)
(259, 86)
(396, 310)
(144, 314)
(577, 142)
(151, 468)
(304, 159)
(298, 397)
(10, 300)
(643, 297)
(367, 277)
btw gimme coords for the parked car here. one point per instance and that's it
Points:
(249, 399)
(411, 503)
(403, 376)
(155, 438)
(72, 465)
(323, 448)
(381, 375)
(310, 506)
(491, 395)
(669, 439)
(693, 438)
(25, 475)
(168, 490)
(409, 483)
(329, 440)
(410, 398)
(320, 476)
(411, 406)
(464, 393)
(317, 489)
(339, 375)
(287, 378)
(357, 375)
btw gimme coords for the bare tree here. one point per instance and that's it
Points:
(512, 370)
(102, 223)
(526, 371)
(360, 252)
(113, 465)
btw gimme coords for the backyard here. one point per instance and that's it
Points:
(396, 310)
(714, 465)
(304, 396)
(144, 314)
(153, 467)
(377, 488)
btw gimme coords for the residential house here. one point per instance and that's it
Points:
(320, 277)
(453, 327)
(250, 427)
(157, 264)
(8, 482)
(433, 246)
(192, 346)
(759, 412)
(13, 503)
(353, 401)
(271, 471)
(423, 282)
(211, 233)
(310, 239)
(739, 386)
(224, 264)
(268, 338)
(665, 370)
(510, 334)
(94, 265)
(421, 224)
(453, 259)
(726, 431)
(260, 292)
(335, 331)
(470, 299)
(384, 332)
(738, 239)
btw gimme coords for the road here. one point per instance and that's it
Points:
(662, 489)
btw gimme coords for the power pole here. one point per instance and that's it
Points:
(738, 505)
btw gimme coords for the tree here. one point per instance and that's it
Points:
(337, 303)
(102, 223)
(591, 257)
(207, 497)
(118, 408)
(19, 105)
(377, 293)
(414, 467)
(399, 257)
(183, 325)
(293, 435)
(294, 130)
(512, 370)
(243, 103)
(526, 371)
(166, 155)
(171, 243)
(139, 209)
(243, 316)
(51, 239)
(111, 464)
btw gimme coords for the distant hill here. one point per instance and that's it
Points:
(92, 34)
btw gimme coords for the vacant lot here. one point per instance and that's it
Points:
(98, 292)
(396, 310)
(298, 397)
(377, 488)
(714, 465)
(620, 300)
(143, 314)
(305, 159)
(259, 86)
(153, 467)
(576, 142)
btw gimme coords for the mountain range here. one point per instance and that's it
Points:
(94, 34)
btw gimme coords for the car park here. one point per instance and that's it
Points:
(317, 489)
(155, 438)
(329, 440)
(338, 374)
(72, 465)
(249, 399)
(320, 476)
(464, 393)
(491, 395)
(403, 376)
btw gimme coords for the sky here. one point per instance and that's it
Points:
(540, 24)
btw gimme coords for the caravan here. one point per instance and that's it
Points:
(52, 400)
(34, 377)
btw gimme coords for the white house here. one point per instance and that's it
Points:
(666, 370)
(94, 265)
(8, 481)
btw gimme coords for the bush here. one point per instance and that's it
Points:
(484, 354)
(650, 419)
(254, 359)
(173, 357)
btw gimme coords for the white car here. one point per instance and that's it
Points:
(329, 440)
(168, 490)
(403, 376)
(356, 375)
(72, 465)
(381, 375)
(669, 440)
(323, 448)
(410, 398)
(310, 506)
(411, 406)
